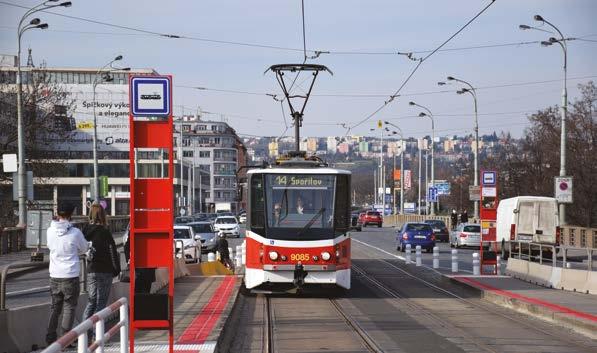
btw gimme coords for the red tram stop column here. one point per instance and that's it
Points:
(152, 203)
(488, 214)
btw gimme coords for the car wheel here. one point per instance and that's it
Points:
(451, 244)
(379, 225)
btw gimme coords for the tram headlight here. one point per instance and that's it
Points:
(326, 256)
(273, 255)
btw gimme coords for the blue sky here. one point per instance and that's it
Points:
(334, 25)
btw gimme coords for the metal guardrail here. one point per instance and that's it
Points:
(97, 321)
(4, 275)
(14, 239)
(401, 219)
(530, 251)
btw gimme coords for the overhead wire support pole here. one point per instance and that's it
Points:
(429, 114)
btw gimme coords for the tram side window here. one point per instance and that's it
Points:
(257, 204)
(342, 208)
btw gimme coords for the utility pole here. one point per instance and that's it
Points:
(419, 203)
(401, 176)
(426, 182)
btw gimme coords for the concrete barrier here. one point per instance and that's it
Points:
(592, 282)
(517, 268)
(540, 274)
(556, 277)
(574, 280)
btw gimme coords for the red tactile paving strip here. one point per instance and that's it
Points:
(202, 325)
(535, 301)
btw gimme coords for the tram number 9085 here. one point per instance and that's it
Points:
(299, 257)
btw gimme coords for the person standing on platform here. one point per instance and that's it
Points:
(454, 219)
(66, 243)
(464, 217)
(103, 260)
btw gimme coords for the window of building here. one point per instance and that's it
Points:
(204, 154)
(186, 128)
(202, 127)
(214, 128)
(187, 153)
(186, 142)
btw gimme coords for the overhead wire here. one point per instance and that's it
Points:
(317, 53)
(419, 63)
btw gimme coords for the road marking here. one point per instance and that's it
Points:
(403, 258)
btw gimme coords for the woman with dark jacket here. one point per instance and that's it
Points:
(103, 260)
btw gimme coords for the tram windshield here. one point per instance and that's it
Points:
(298, 201)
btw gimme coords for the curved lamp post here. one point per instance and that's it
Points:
(564, 107)
(21, 171)
(430, 116)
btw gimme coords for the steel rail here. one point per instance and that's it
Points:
(483, 307)
(268, 327)
(417, 307)
(352, 323)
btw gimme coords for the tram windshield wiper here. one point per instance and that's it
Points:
(312, 221)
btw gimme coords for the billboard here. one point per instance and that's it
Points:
(111, 110)
(442, 186)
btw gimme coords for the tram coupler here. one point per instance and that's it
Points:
(299, 275)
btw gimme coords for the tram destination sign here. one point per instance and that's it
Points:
(303, 181)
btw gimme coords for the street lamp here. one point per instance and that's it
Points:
(473, 93)
(102, 75)
(401, 164)
(564, 108)
(21, 171)
(382, 179)
(430, 115)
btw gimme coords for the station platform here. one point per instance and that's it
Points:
(574, 310)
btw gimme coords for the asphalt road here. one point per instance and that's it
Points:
(398, 308)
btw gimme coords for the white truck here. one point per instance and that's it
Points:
(223, 207)
(528, 219)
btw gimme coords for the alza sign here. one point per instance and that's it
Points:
(150, 95)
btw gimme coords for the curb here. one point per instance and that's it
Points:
(584, 326)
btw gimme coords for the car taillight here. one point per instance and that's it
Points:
(512, 231)
(462, 235)
(558, 235)
(405, 236)
(433, 236)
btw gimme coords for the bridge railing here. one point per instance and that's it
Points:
(14, 239)
(97, 321)
(400, 219)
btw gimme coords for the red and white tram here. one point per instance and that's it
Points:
(297, 226)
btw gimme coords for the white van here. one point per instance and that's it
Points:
(529, 219)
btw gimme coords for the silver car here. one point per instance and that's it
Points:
(466, 234)
(209, 240)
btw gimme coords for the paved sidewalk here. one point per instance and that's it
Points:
(565, 308)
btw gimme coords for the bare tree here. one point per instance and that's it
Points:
(46, 122)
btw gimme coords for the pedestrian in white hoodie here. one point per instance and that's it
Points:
(65, 243)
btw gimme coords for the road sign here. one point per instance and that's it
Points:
(103, 186)
(9, 163)
(432, 194)
(489, 178)
(150, 96)
(442, 186)
(474, 192)
(563, 189)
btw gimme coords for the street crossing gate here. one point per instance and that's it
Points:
(151, 202)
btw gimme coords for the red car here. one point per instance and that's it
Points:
(370, 217)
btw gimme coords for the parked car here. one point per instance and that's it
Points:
(185, 236)
(371, 217)
(439, 229)
(242, 218)
(183, 219)
(205, 230)
(228, 225)
(355, 222)
(466, 234)
(415, 234)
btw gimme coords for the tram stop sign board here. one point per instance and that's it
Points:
(151, 96)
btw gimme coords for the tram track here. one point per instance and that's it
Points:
(485, 347)
(493, 311)
(269, 322)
